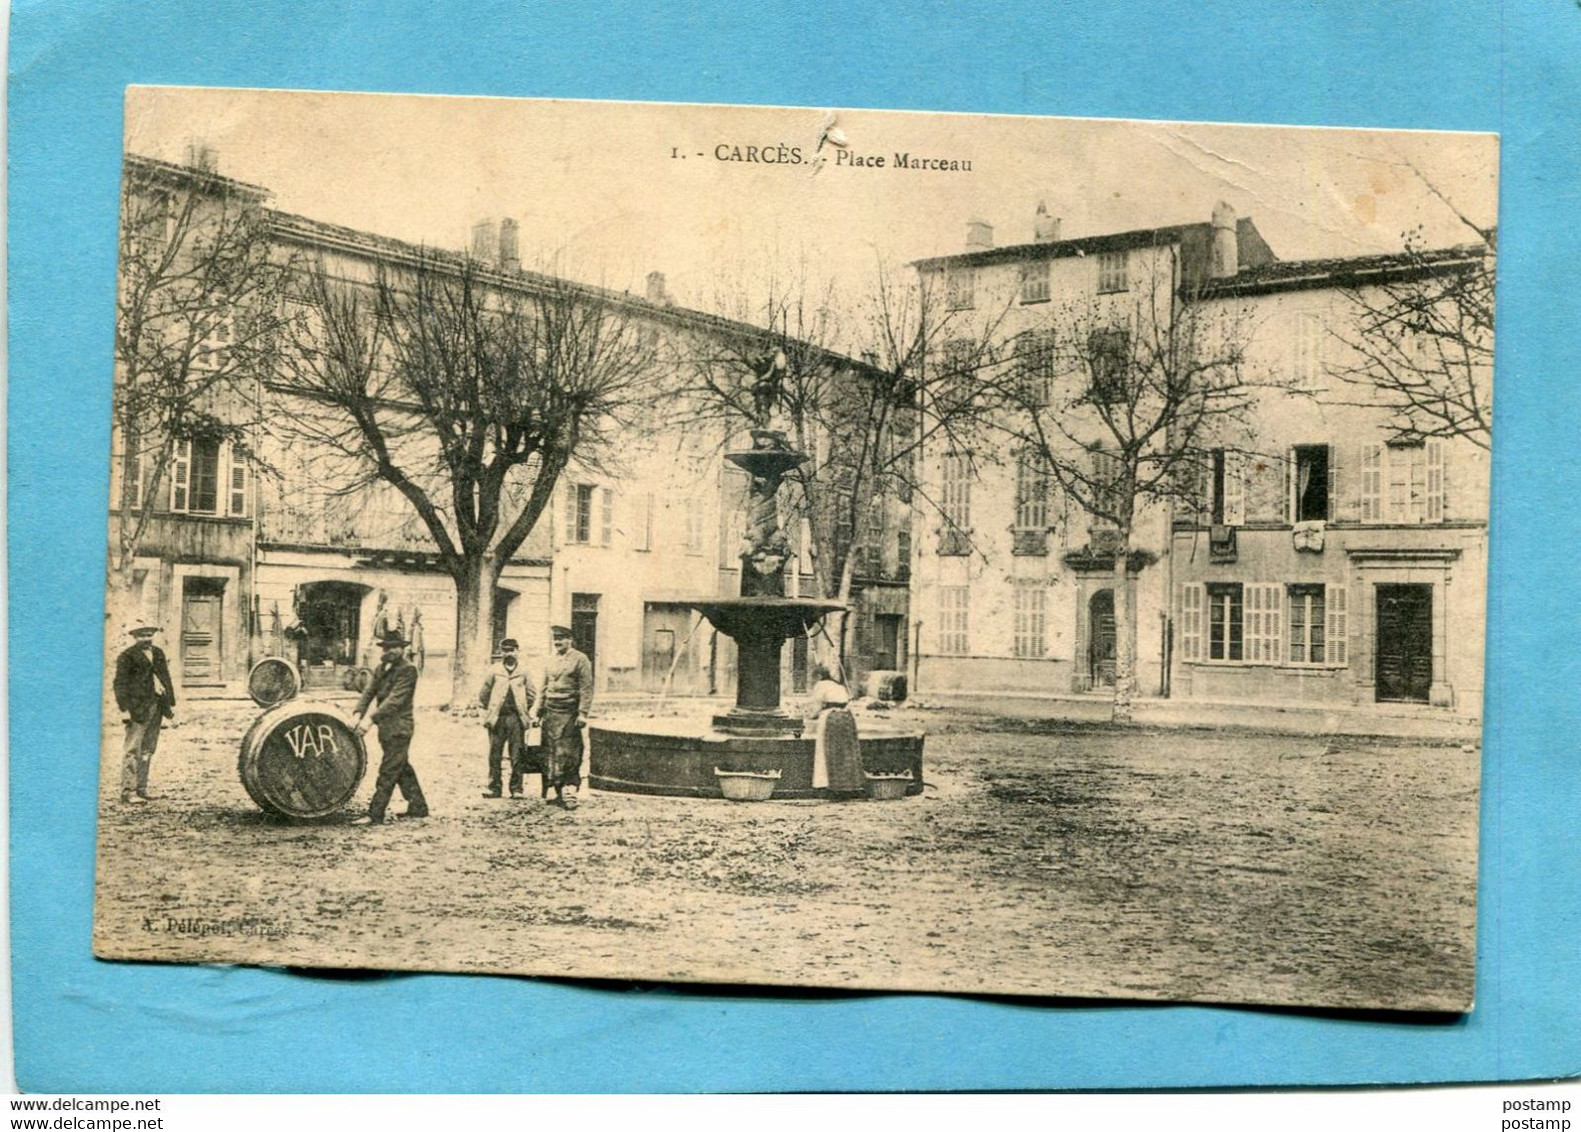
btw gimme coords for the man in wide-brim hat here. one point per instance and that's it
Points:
(389, 695)
(147, 697)
(566, 701)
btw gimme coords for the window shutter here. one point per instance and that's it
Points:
(1331, 462)
(1338, 642)
(1435, 481)
(1264, 623)
(645, 523)
(1191, 603)
(1371, 483)
(180, 475)
(130, 486)
(1291, 510)
(570, 512)
(606, 515)
(1344, 496)
(1234, 489)
(236, 502)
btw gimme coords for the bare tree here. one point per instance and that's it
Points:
(470, 397)
(1120, 406)
(1419, 340)
(198, 328)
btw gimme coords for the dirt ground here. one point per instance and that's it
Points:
(1044, 858)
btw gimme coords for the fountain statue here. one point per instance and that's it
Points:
(755, 734)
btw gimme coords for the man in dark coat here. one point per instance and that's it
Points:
(146, 697)
(567, 700)
(393, 685)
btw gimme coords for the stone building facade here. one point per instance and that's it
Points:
(1323, 560)
(237, 565)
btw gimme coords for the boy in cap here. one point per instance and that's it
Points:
(507, 698)
(146, 697)
(567, 700)
(393, 685)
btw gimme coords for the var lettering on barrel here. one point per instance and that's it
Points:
(304, 741)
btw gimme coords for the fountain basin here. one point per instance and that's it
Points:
(677, 757)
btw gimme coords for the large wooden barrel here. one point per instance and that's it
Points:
(273, 680)
(302, 760)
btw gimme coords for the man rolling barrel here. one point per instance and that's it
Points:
(567, 699)
(393, 685)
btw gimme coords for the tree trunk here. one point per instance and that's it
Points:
(1124, 660)
(474, 628)
(833, 653)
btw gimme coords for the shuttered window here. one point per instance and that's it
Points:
(954, 639)
(589, 509)
(1372, 483)
(1229, 487)
(1308, 361)
(644, 521)
(1030, 609)
(956, 504)
(1032, 491)
(959, 285)
(1112, 272)
(1191, 602)
(1417, 482)
(694, 525)
(1035, 282)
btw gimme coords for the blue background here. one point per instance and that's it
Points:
(82, 1025)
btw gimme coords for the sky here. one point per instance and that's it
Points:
(607, 192)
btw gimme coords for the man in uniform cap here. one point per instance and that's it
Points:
(393, 685)
(567, 700)
(146, 697)
(507, 698)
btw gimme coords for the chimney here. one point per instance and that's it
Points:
(510, 255)
(201, 156)
(485, 241)
(656, 291)
(1045, 228)
(979, 235)
(1226, 253)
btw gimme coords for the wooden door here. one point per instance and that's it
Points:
(584, 634)
(201, 631)
(1405, 643)
(1100, 639)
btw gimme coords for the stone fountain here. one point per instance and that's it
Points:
(679, 757)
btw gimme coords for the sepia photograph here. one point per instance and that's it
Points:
(821, 548)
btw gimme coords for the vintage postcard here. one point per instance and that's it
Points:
(798, 547)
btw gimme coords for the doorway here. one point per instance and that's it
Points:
(329, 618)
(1405, 643)
(202, 631)
(499, 627)
(1100, 639)
(668, 631)
(584, 626)
(889, 635)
